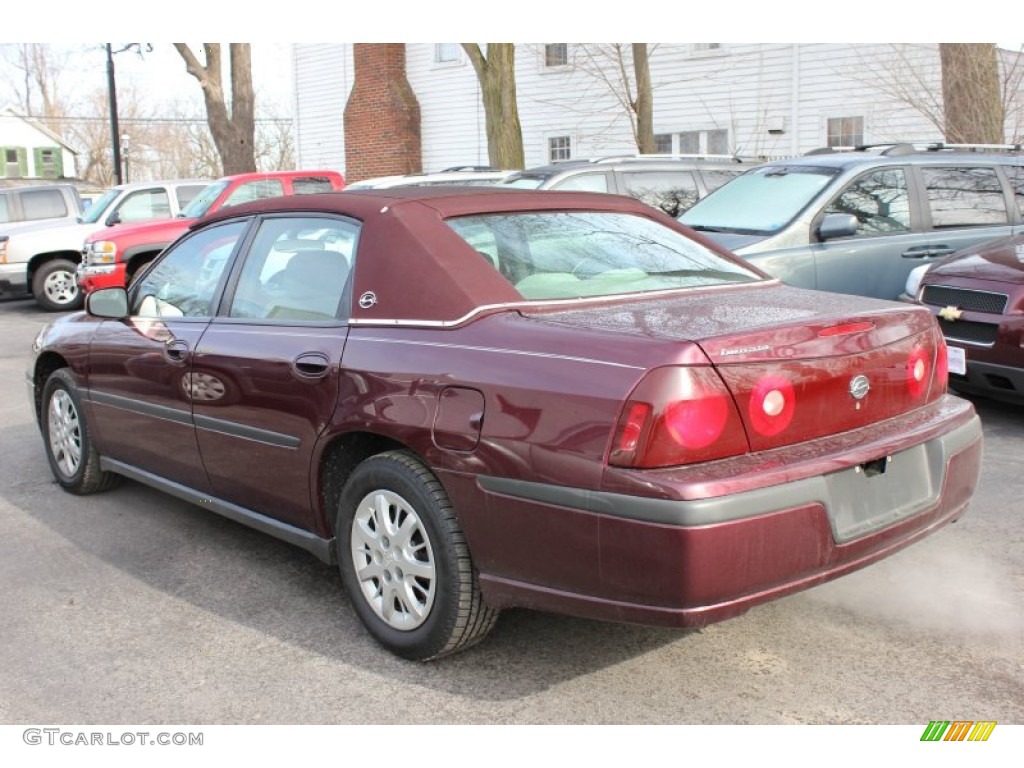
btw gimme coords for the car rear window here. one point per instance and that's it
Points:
(573, 254)
(310, 185)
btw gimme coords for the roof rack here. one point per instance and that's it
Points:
(907, 148)
(465, 168)
(641, 157)
(941, 145)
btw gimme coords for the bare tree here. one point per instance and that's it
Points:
(233, 131)
(496, 71)
(953, 89)
(626, 73)
(971, 98)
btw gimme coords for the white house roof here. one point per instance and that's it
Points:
(10, 111)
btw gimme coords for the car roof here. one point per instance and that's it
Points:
(640, 161)
(256, 175)
(404, 229)
(856, 158)
(150, 184)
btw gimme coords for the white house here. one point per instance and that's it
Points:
(30, 150)
(764, 99)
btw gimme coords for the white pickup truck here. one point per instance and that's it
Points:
(40, 258)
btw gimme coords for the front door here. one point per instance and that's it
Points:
(140, 366)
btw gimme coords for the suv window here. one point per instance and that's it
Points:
(671, 191)
(964, 197)
(716, 177)
(879, 200)
(43, 204)
(145, 204)
(310, 185)
(296, 269)
(1016, 175)
(183, 283)
(5, 214)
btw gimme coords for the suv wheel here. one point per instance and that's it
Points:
(404, 560)
(55, 286)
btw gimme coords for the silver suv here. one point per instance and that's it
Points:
(859, 221)
(41, 258)
(672, 183)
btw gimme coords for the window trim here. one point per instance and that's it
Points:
(438, 63)
(863, 130)
(554, 136)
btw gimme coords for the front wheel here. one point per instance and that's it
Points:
(55, 286)
(73, 459)
(404, 560)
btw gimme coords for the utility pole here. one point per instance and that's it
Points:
(115, 136)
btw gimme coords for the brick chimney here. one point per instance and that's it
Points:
(382, 116)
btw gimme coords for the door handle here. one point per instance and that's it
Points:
(176, 351)
(311, 365)
(941, 250)
(917, 252)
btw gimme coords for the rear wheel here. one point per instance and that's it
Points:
(404, 560)
(55, 286)
(69, 449)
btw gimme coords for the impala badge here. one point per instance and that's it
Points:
(367, 300)
(952, 314)
(859, 387)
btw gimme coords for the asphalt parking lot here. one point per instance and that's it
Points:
(134, 607)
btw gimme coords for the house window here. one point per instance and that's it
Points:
(445, 53)
(11, 167)
(559, 148)
(718, 142)
(689, 143)
(700, 47)
(556, 54)
(845, 131)
(663, 143)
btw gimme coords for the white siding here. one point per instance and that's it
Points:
(323, 79)
(744, 88)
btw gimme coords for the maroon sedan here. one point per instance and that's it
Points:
(978, 296)
(476, 399)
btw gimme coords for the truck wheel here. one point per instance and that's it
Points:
(55, 286)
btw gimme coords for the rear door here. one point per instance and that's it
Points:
(265, 379)
(966, 205)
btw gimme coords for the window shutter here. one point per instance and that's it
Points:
(37, 157)
(22, 162)
(58, 163)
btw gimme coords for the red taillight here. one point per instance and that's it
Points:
(772, 405)
(918, 369)
(677, 416)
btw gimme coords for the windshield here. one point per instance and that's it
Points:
(525, 182)
(97, 208)
(567, 255)
(201, 203)
(761, 201)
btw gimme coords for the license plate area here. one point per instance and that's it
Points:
(957, 360)
(879, 493)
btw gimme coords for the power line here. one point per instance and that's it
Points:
(154, 120)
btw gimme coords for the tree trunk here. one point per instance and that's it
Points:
(234, 133)
(497, 76)
(971, 95)
(644, 104)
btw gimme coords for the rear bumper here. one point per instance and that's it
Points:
(688, 563)
(997, 381)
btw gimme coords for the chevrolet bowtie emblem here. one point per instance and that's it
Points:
(951, 314)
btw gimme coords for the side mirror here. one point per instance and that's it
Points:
(114, 218)
(110, 303)
(837, 225)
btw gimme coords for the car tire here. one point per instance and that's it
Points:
(67, 439)
(404, 560)
(55, 286)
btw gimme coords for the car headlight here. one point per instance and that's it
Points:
(914, 280)
(102, 252)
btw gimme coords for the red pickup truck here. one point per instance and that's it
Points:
(112, 257)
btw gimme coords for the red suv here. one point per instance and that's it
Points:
(113, 257)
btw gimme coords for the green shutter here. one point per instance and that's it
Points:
(22, 162)
(37, 155)
(58, 163)
(58, 169)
